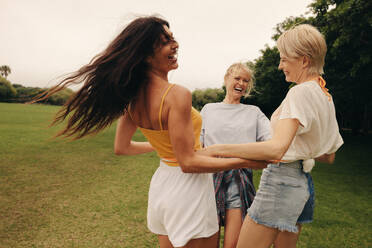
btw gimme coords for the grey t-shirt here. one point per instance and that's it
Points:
(233, 124)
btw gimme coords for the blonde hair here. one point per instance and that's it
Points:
(304, 40)
(241, 66)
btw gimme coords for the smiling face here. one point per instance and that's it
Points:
(236, 84)
(165, 55)
(293, 68)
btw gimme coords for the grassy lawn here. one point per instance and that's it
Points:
(57, 193)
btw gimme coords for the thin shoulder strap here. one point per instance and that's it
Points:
(129, 109)
(161, 105)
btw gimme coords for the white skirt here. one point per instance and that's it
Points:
(181, 205)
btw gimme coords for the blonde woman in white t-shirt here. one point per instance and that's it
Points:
(304, 128)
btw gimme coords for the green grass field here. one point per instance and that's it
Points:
(58, 193)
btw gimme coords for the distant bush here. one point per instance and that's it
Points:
(21, 94)
(200, 97)
(60, 98)
(25, 94)
(7, 91)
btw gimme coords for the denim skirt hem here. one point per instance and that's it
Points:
(280, 227)
(304, 221)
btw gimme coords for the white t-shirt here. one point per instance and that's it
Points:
(318, 132)
(233, 124)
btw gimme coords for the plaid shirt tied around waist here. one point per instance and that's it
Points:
(244, 179)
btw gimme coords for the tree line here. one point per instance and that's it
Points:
(17, 93)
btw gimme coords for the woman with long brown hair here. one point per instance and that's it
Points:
(129, 81)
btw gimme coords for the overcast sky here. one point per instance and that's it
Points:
(41, 40)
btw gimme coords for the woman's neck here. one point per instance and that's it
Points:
(156, 75)
(231, 100)
(306, 77)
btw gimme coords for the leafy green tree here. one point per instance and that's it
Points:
(5, 71)
(7, 91)
(290, 22)
(347, 26)
(200, 97)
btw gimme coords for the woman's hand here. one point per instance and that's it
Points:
(247, 163)
(205, 152)
(212, 151)
(256, 165)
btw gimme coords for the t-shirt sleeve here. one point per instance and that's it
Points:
(297, 105)
(263, 127)
(337, 144)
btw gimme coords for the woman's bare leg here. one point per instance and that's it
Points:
(287, 239)
(164, 241)
(233, 224)
(253, 235)
(210, 242)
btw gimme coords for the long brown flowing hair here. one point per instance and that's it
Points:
(111, 81)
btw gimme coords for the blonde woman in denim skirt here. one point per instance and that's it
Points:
(304, 128)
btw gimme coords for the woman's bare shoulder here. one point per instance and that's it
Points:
(180, 95)
(179, 89)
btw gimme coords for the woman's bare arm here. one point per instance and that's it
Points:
(274, 149)
(123, 143)
(326, 158)
(182, 139)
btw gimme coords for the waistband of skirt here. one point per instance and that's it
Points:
(166, 166)
(170, 162)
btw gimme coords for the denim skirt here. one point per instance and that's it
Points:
(283, 197)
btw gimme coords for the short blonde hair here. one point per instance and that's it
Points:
(241, 66)
(304, 40)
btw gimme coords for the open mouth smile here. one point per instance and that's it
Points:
(173, 57)
(238, 89)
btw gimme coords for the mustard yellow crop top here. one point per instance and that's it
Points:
(160, 140)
